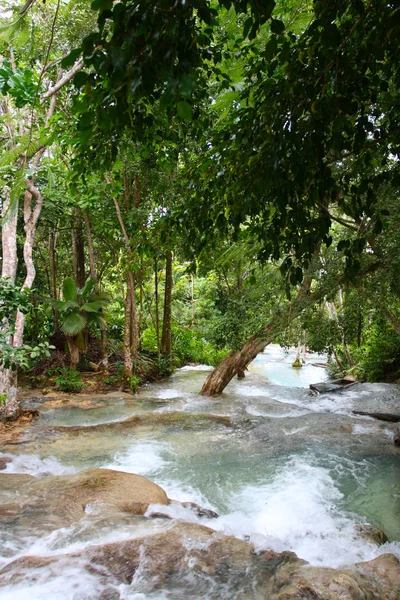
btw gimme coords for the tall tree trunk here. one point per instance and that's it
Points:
(73, 352)
(128, 360)
(297, 362)
(166, 337)
(333, 315)
(8, 377)
(156, 295)
(130, 327)
(304, 348)
(94, 276)
(31, 216)
(134, 316)
(53, 275)
(338, 361)
(238, 361)
(9, 217)
(343, 332)
(78, 249)
(141, 295)
(131, 331)
(192, 300)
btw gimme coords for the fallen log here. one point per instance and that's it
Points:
(391, 417)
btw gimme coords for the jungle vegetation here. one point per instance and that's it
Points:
(191, 180)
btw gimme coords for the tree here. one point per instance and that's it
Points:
(28, 110)
(79, 308)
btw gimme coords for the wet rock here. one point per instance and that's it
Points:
(202, 563)
(199, 511)
(386, 570)
(372, 534)
(190, 556)
(166, 419)
(172, 511)
(318, 583)
(59, 501)
(369, 581)
(4, 460)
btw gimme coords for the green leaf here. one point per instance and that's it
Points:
(187, 85)
(93, 307)
(73, 323)
(71, 58)
(80, 79)
(101, 4)
(185, 111)
(70, 290)
(277, 26)
(247, 25)
(342, 245)
(87, 288)
(58, 304)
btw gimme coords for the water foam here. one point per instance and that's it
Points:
(33, 464)
(144, 458)
(74, 582)
(298, 511)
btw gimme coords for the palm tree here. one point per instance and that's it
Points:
(78, 308)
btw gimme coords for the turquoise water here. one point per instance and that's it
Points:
(292, 471)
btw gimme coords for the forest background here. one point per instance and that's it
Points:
(190, 181)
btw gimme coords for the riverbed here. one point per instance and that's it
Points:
(293, 471)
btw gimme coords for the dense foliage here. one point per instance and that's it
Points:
(176, 175)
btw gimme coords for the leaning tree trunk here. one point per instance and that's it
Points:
(166, 337)
(237, 362)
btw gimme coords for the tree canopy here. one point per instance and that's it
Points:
(184, 154)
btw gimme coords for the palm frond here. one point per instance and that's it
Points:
(70, 290)
(94, 307)
(89, 284)
(73, 324)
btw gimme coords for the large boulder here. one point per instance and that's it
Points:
(59, 501)
(188, 557)
(378, 579)
(194, 561)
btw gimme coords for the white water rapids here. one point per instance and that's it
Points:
(295, 472)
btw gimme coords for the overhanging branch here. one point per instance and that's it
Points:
(63, 81)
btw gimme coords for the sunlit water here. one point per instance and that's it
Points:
(295, 471)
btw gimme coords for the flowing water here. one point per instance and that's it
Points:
(294, 471)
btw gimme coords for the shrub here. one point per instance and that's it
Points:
(134, 382)
(187, 346)
(69, 380)
(379, 356)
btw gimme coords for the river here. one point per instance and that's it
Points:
(294, 472)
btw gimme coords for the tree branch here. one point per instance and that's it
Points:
(63, 81)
